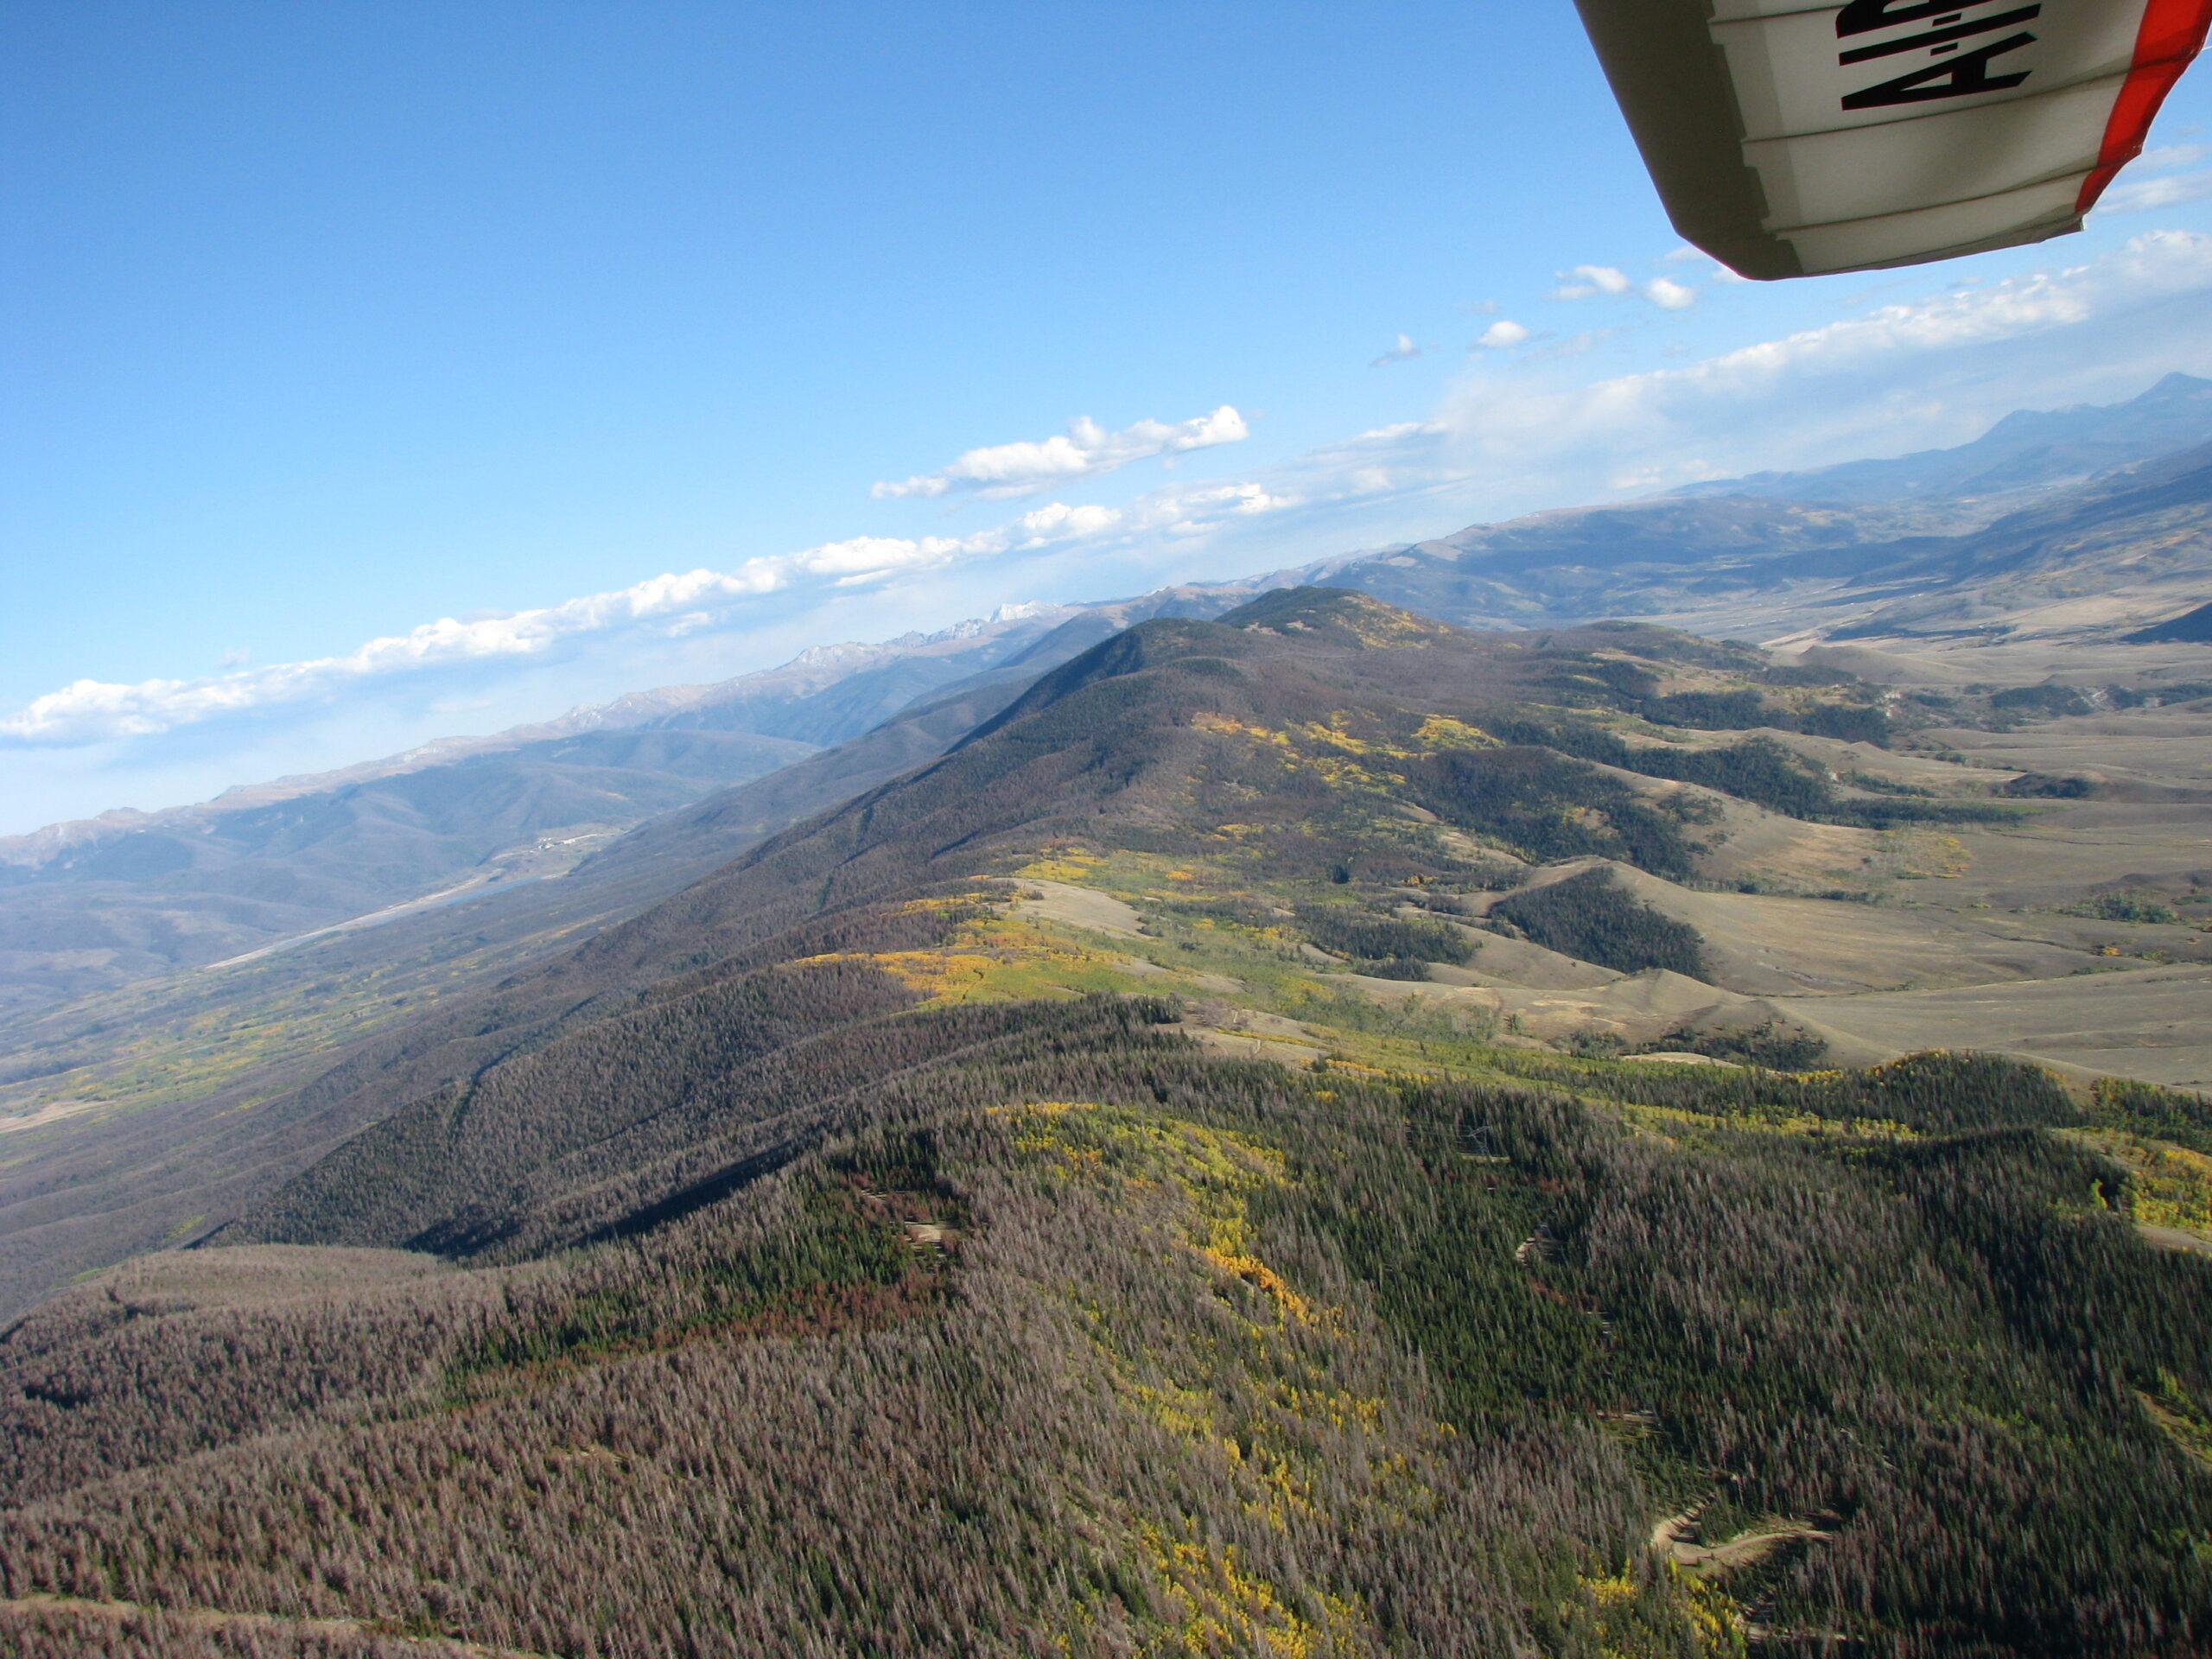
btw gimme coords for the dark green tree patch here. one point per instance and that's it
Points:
(2181, 1115)
(1593, 918)
(1366, 937)
(1550, 806)
(2048, 701)
(1847, 722)
(1770, 1044)
(1758, 770)
(1711, 711)
(2049, 785)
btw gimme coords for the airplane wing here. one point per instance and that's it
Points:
(1793, 139)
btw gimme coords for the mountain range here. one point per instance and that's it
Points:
(1313, 1129)
(2083, 524)
(2029, 450)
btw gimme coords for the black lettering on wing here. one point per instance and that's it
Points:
(1935, 38)
(1960, 77)
(1864, 17)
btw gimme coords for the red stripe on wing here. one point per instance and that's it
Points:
(2171, 34)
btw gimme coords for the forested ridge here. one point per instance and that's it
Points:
(852, 1255)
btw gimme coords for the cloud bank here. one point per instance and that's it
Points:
(92, 711)
(1085, 450)
(1911, 373)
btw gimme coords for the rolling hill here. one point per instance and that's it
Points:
(1119, 1186)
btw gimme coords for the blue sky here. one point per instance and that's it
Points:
(380, 372)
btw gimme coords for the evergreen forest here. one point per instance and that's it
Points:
(1033, 1208)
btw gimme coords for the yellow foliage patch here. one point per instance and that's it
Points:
(1223, 1608)
(2172, 1185)
(1253, 1271)
(1442, 732)
(1206, 720)
(1062, 864)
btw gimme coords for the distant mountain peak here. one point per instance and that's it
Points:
(2178, 385)
(2028, 451)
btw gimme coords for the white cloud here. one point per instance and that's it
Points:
(1502, 333)
(1585, 280)
(92, 711)
(2159, 157)
(1398, 353)
(2139, 195)
(1085, 450)
(1683, 255)
(664, 606)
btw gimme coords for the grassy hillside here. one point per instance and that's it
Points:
(1073, 1199)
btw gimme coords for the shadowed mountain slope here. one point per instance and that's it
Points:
(182, 893)
(2193, 628)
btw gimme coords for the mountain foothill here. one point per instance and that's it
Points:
(1267, 1119)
